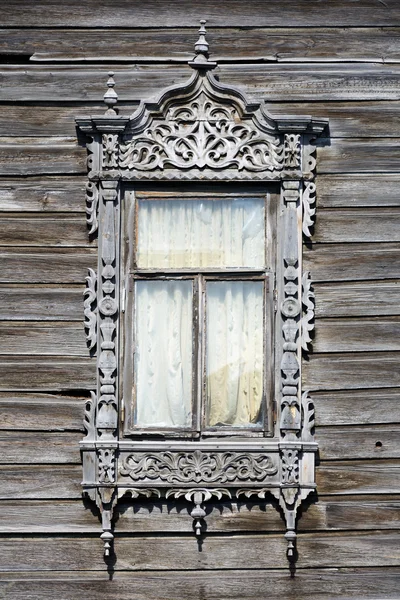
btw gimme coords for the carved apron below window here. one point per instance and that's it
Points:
(199, 310)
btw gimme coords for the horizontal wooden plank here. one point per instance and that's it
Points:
(351, 371)
(356, 335)
(21, 373)
(136, 553)
(357, 407)
(51, 339)
(355, 225)
(278, 82)
(369, 189)
(44, 303)
(281, 44)
(22, 447)
(347, 119)
(284, 13)
(379, 441)
(372, 298)
(352, 262)
(26, 482)
(308, 584)
(41, 412)
(335, 443)
(43, 230)
(359, 477)
(59, 265)
(29, 155)
(75, 516)
(40, 482)
(355, 156)
(43, 194)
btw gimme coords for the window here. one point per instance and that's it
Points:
(199, 309)
(201, 276)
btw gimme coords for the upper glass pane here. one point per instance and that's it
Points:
(201, 233)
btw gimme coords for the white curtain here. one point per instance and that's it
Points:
(227, 232)
(163, 353)
(234, 353)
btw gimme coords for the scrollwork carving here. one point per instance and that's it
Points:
(110, 150)
(198, 496)
(307, 320)
(309, 199)
(88, 419)
(89, 309)
(308, 418)
(106, 465)
(198, 467)
(290, 466)
(292, 150)
(92, 204)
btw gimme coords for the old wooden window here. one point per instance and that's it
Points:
(199, 309)
(200, 271)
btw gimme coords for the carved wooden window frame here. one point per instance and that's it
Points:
(230, 140)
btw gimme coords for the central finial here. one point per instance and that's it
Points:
(201, 61)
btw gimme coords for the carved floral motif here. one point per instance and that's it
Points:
(90, 310)
(290, 466)
(198, 467)
(292, 150)
(110, 150)
(106, 465)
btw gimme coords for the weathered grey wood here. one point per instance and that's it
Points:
(360, 407)
(50, 339)
(20, 373)
(355, 156)
(25, 156)
(41, 412)
(59, 265)
(352, 371)
(379, 441)
(359, 477)
(40, 481)
(355, 225)
(369, 189)
(344, 299)
(36, 302)
(73, 516)
(356, 335)
(333, 477)
(308, 584)
(281, 44)
(294, 82)
(233, 13)
(44, 231)
(347, 262)
(31, 447)
(315, 550)
(43, 194)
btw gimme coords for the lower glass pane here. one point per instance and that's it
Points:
(234, 353)
(163, 353)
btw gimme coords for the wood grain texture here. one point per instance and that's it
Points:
(359, 477)
(75, 516)
(59, 230)
(160, 13)
(50, 412)
(59, 265)
(351, 371)
(30, 156)
(21, 373)
(293, 82)
(352, 262)
(366, 190)
(348, 299)
(357, 407)
(33, 448)
(51, 339)
(41, 303)
(379, 441)
(43, 194)
(308, 584)
(40, 482)
(355, 156)
(219, 585)
(356, 335)
(182, 553)
(356, 225)
(175, 44)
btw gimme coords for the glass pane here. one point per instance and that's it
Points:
(234, 353)
(163, 353)
(225, 232)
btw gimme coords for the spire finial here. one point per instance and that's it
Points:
(201, 61)
(111, 96)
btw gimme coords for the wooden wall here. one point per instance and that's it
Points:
(338, 59)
